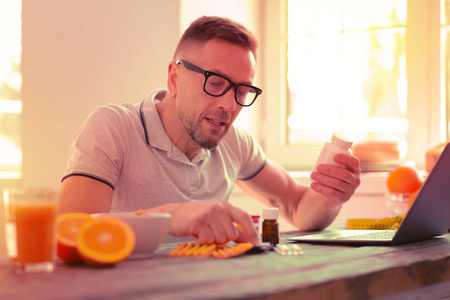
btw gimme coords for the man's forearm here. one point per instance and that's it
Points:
(315, 211)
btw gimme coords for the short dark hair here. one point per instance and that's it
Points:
(207, 28)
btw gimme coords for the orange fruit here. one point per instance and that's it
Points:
(105, 241)
(405, 179)
(412, 197)
(67, 228)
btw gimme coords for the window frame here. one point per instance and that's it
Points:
(426, 109)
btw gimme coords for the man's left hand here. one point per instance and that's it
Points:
(337, 184)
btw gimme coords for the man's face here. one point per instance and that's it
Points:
(207, 118)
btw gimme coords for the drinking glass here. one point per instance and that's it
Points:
(30, 215)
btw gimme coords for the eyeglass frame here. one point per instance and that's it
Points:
(191, 67)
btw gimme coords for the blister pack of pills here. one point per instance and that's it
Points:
(213, 250)
(288, 249)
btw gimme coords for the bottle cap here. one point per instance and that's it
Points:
(341, 141)
(270, 213)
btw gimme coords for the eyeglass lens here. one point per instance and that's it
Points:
(217, 86)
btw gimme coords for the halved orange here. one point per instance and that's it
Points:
(67, 229)
(105, 241)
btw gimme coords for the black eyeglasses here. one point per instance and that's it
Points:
(217, 85)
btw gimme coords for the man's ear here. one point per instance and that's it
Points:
(172, 78)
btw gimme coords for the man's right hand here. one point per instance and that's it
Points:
(213, 222)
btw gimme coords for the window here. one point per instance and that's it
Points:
(10, 84)
(357, 49)
(367, 68)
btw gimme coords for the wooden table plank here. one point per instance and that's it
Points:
(331, 272)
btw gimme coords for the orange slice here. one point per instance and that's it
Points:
(105, 241)
(67, 228)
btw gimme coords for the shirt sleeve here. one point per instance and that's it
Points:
(97, 149)
(253, 158)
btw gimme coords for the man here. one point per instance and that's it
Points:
(178, 152)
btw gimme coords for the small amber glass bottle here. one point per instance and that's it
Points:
(270, 226)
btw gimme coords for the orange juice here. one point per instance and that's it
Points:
(30, 215)
(31, 226)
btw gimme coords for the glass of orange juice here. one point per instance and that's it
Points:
(30, 215)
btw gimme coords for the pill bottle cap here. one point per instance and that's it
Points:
(341, 141)
(270, 213)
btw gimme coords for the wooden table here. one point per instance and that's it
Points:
(322, 272)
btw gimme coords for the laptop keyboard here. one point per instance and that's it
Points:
(381, 235)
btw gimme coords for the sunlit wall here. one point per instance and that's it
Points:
(78, 55)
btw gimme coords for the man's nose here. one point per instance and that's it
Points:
(227, 101)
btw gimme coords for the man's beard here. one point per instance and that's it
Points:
(195, 130)
(198, 136)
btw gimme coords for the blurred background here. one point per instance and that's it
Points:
(375, 70)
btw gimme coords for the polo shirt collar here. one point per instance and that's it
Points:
(155, 133)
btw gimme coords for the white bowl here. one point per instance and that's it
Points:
(150, 230)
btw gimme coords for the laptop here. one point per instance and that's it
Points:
(428, 217)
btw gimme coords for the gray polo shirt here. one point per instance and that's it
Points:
(126, 147)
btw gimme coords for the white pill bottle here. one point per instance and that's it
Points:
(337, 144)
